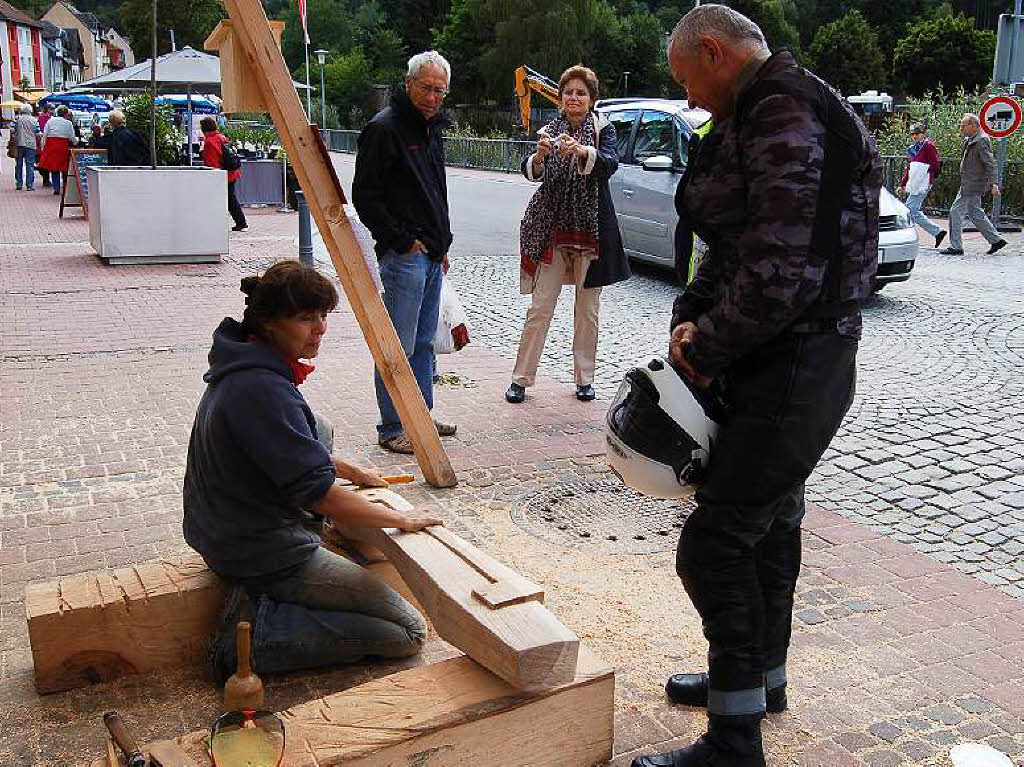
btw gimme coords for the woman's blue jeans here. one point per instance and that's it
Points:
(331, 611)
(412, 296)
(914, 202)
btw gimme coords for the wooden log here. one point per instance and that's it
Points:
(477, 604)
(312, 164)
(449, 714)
(103, 625)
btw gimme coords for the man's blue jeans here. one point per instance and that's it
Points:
(25, 167)
(914, 202)
(412, 296)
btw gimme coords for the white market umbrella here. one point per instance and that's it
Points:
(183, 71)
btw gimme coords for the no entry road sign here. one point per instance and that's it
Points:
(1000, 116)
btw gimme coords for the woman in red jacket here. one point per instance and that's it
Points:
(213, 152)
(921, 172)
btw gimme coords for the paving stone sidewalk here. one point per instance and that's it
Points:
(896, 655)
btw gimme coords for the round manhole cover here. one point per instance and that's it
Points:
(602, 513)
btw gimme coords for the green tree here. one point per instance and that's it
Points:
(191, 20)
(845, 54)
(137, 116)
(777, 19)
(348, 83)
(413, 20)
(947, 51)
(486, 40)
(330, 26)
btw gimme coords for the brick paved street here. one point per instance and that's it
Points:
(897, 655)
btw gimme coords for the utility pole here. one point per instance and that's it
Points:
(321, 54)
(625, 85)
(152, 94)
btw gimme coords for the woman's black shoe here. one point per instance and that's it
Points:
(585, 393)
(515, 394)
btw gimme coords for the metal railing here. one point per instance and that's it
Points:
(504, 155)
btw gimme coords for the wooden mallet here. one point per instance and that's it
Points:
(243, 690)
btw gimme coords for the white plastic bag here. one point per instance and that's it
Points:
(978, 755)
(918, 178)
(451, 316)
(364, 239)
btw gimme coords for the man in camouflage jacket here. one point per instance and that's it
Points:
(784, 191)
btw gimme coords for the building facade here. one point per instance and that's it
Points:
(21, 54)
(103, 49)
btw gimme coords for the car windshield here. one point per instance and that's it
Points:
(654, 136)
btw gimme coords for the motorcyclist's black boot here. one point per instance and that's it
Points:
(731, 741)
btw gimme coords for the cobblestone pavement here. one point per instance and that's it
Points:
(932, 451)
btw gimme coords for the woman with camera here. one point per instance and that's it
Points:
(569, 234)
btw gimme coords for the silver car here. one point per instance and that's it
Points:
(653, 138)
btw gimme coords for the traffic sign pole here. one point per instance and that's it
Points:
(1000, 117)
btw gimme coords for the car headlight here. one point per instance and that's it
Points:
(903, 220)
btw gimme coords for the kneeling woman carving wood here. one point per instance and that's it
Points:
(260, 478)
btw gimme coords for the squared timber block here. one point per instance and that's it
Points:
(99, 626)
(102, 625)
(448, 714)
(476, 603)
(239, 86)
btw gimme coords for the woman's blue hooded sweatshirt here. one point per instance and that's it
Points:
(254, 463)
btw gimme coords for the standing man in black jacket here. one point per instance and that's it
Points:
(401, 194)
(784, 191)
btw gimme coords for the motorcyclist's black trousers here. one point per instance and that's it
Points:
(739, 552)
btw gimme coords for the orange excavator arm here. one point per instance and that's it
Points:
(527, 81)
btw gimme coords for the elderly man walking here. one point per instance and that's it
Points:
(784, 190)
(25, 135)
(977, 176)
(401, 194)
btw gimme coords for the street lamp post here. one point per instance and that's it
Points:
(321, 54)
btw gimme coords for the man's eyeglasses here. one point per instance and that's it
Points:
(439, 92)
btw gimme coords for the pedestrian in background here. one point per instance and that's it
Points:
(213, 157)
(58, 138)
(919, 175)
(127, 148)
(977, 176)
(100, 138)
(401, 195)
(43, 118)
(785, 191)
(25, 136)
(569, 235)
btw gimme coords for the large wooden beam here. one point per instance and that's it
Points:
(476, 603)
(99, 626)
(316, 175)
(449, 714)
(102, 625)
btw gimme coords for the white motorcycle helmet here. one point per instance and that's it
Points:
(660, 431)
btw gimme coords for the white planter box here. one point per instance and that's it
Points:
(162, 216)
